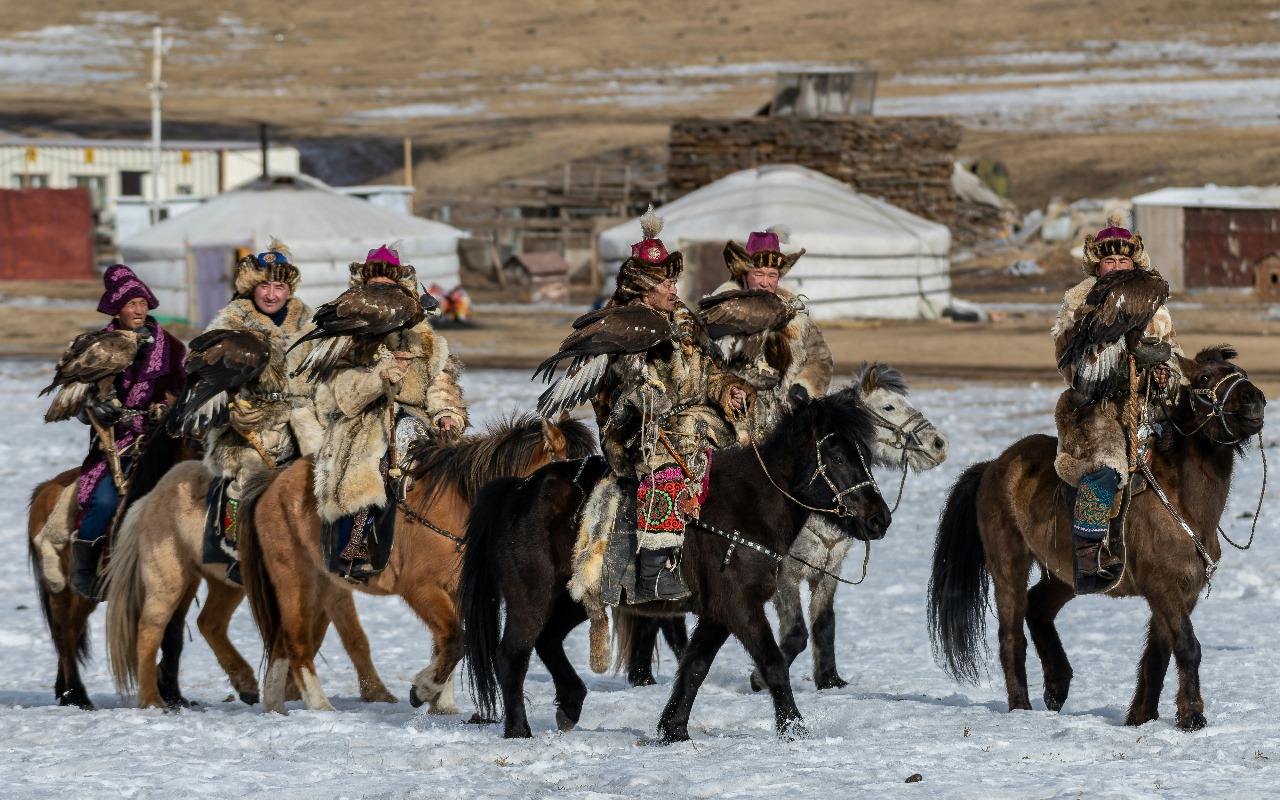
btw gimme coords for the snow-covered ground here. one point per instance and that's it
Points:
(899, 716)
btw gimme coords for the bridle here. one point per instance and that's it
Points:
(906, 437)
(821, 471)
(1217, 405)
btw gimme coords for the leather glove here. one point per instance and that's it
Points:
(107, 413)
(1146, 356)
(245, 418)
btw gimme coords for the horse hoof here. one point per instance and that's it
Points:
(666, 737)
(831, 682)
(380, 695)
(80, 701)
(414, 699)
(792, 731)
(641, 680)
(564, 722)
(757, 685)
(1192, 721)
(1053, 702)
(250, 698)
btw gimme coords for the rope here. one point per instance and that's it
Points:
(458, 541)
(839, 510)
(1210, 565)
(1258, 511)
(738, 539)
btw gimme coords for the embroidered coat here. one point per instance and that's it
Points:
(288, 427)
(155, 378)
(353, 409)
(797, 355)
(1092, 436)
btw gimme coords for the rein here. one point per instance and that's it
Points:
(736, 539)
(840, 509)
(1210, 566)
(906, 439)
(458, 541)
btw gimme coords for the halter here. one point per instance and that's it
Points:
(906, 437)
(1217, 406)
(837, 494)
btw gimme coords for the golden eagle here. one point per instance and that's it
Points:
(1119, 303)
(352, 326)
(219, 363)
(612, 330)
(88, 369)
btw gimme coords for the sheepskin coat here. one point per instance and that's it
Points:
(797, 355)
(228, 453)
(1092, 436)
(677, 381)
(357, 424)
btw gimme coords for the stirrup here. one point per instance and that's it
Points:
(357, 571)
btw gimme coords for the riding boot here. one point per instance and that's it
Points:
(353, 559)
(85, 556)
(658, 576)
(1095, 568)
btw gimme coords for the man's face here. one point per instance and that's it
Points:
(270, 296)
(132, 314)
(763, 278)
(662, 297)
(1114, 263)
(380, 279)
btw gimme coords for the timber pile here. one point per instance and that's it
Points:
(906, 161)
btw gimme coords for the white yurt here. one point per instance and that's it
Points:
(864, 257)
(189, 260)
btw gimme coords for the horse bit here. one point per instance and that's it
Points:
(907, 438)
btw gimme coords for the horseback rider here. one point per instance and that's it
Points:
(141, 392)
(662, 404)
(354, 463)
(797, 354)
(1117, 352)
(273, 419)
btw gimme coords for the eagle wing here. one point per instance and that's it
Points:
(88, 368)
(358, 320)
(613, 330)
(1119, 302)
(219, 363)
(744, 312)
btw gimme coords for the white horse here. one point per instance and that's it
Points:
(905, 440)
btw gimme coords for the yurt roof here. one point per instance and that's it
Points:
(315, 221)
(825, 217)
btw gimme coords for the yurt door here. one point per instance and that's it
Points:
(212, 284)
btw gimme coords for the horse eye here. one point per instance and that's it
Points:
(1204, 378)
(887, 408)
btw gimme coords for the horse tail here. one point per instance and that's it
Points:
(126, 593)
(959, 581)
(624, 634)
(36, 560)
(253, 568)
(479, 591)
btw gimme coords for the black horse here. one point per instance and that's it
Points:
(519, 551)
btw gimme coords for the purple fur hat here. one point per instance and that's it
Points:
(121, 287)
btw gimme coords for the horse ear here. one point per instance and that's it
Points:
(1189, 365)
(798, 396)
(870, 379)
(554, 439)
(1219, 352)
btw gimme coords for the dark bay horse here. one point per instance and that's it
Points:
(67, 613)
(291, 590)
(521, 537)
(1004, 515)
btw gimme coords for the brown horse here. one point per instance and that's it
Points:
(289, 585)
(66, 612)
(1006, 514)
(157, 566)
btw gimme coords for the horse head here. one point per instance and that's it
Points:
(903, 434)
(839, 481)
(1221, 403)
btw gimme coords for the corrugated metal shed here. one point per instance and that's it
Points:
(46, 234)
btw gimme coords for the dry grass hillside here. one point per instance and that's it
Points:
(497, 89)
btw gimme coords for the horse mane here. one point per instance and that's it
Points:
(1217, 352)
(847, 417)
(871, 374)
(505, 448)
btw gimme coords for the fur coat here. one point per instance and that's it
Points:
(796, 355)
(281, 398)
(677, 380)
(357, 428)
(1092, 436)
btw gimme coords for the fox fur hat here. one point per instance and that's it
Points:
(384, 262)
(273, 265)
(650, 263)
(764, 249)
(1117, 238)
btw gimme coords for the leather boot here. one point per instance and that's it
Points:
(657, 578)
(1095, 569)
(84, 568)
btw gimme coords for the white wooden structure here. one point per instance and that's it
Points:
(188, 260)
(864, 258)
(115, 168)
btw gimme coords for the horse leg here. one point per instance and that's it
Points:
(644, 640)
(1168, 634)
(752, 629)
(213, 622)
(1044, 601)
(708, 637)
(297, 601)
(1009, 569)
(171, 653)
(676, 634)
(791, 625)
(1186, 654)
(822, 615)
(341, 608)
(570, 690)
(70, 613)
(434, 683)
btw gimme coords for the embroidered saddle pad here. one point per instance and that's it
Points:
(220, 532)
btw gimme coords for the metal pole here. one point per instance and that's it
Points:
(263, 147)
(408, 163)
(156, 88)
